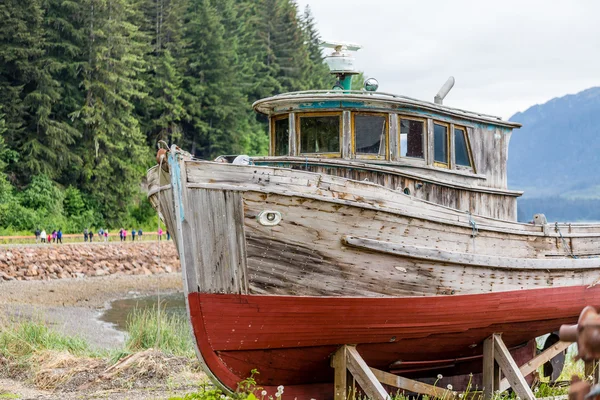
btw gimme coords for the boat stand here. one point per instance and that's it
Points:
(348, 365)
(347, 360)
(496, 358)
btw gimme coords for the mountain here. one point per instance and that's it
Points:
(554, 158)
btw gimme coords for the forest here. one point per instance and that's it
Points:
(88, 88)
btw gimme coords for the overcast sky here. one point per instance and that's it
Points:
(505, 55)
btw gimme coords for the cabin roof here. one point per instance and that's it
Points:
(271, 104)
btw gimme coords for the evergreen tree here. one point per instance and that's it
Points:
(113, 145)
(87, 88)
(41, 139)
(319, 76)
(215, 99)
(163, 111)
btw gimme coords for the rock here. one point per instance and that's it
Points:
(78, 260)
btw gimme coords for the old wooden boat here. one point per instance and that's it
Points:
(376, 220)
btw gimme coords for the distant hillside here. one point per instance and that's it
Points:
(555, 157)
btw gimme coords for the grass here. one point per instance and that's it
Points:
(22, 339)
(154, 328)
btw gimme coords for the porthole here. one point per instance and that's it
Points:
(406, 191)
(269, 218)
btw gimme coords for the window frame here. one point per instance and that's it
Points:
(469, 152)
(448, 145)
(272, 139)
(353, 152)
(424, 135)
(299, 117)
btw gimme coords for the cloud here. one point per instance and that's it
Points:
(505, 56)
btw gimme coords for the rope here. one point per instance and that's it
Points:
(475, 229)
(473, 225)
(564, 242)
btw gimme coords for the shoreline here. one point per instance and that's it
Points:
(74, 306)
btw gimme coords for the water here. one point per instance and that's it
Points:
(172, 303)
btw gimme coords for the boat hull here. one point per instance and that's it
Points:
(289, 339)
(416, 286)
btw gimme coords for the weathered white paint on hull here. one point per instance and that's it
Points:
(305, 254)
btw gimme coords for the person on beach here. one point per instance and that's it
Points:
(168, 235)
(121, 234)
(124, 235)
(54, 235)
(91, 235)
(106, 235)
(49, 238)
(37, 235)
(133, 235)
(43, 235)
(59, 236)
(140, 234)
(85, 235)
(160, 232)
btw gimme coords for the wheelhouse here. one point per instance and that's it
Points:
(435, 152)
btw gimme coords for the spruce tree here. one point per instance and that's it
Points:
(319, 76)
(163, 112)
(215, 100)
(32, 93)
(113, 146)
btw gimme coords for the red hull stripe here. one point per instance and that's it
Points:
(289, 339)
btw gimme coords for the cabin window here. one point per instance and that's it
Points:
(281, 136)
(370, 134)
(440, 144)
(320, 134)
(411, 138)
(461, 148)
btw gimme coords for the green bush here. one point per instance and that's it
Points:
(73, 203)
(42, 194)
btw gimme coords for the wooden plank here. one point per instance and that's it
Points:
(394, 133)
(346, 134)
(511, 370)
(440, 256)
(338, 363)
(292, 134)
(537, 362)
(412, 385)
(364, 376)
(491, 370)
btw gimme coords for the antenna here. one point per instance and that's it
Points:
(339, 46)
(341, 62)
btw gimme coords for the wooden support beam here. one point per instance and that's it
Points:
(591, 368)
(338, 363)
(491, 369)
(510, 369)
(537, 362)
(412, 385)
(364, 376)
